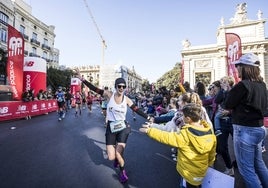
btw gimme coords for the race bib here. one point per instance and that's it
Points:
(60, 99)
(117, 126)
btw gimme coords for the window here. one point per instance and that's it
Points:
(45, 42)
(22, 29)
(3, 17)
(44, 55)
(34, 50)
(3, 35)
(34, 36)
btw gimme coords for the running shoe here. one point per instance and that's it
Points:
(63, 116)
(123, 176)
(59, 119)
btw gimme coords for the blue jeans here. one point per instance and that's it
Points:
(247, 149)
(217, 120)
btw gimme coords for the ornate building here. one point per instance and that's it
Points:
(208, 63)
(38, 37)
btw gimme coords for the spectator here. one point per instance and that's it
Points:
(187, 87)
(248, 102)
(227, 83)
(40, 95)
(200, 89)
(196, 145)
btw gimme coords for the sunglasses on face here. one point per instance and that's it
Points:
(121, 86)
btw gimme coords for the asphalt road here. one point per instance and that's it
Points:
(44, 153)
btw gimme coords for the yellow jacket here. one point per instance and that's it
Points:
(196, 149)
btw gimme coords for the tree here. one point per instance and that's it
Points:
(57, 78)
(170, 79)
(146, 86)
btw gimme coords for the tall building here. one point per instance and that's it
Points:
(208, 63)
(38, 37)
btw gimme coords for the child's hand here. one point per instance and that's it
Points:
(143, 130)
(146, 125)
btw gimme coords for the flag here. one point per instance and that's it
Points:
(234, 52)
(15, 44)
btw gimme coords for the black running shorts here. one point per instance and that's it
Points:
(119, 137)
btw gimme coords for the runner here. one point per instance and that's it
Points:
(60, 96)
(78, 103)
(89, 101)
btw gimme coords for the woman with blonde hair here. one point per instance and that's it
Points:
(177, 121)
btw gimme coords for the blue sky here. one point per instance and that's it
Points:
(146, 34)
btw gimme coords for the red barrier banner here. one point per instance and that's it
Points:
(17, 109)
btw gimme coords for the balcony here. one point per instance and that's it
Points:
(35, 42)
(46, 47)
(46, 59)
(26, 37)
(33, 55)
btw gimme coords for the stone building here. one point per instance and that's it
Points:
(38, 37)
(208, 63)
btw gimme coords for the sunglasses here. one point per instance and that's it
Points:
(121, 86)
(210, 88)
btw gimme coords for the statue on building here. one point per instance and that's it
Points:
(186, 43)
(222, 21)
(259, 14)
(240, 14)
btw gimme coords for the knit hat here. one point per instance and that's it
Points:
(248, 59)
(119, 81)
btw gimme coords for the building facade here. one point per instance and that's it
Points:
(38, 37)
(208, 63)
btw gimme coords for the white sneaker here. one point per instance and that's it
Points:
(63, 115)
(59, 119)
(229, 171)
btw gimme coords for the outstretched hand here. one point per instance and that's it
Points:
(143, 130)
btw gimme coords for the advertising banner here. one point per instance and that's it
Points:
(34, 74)
(234, 52)
(15, 46)
(75, 86)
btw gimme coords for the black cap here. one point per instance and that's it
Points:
(119, 81)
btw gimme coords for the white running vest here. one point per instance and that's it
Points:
(116, 111)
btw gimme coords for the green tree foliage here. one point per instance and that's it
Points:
(146, 86)
(57, 78)
(170, 79)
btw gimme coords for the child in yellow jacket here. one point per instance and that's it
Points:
(196, 145)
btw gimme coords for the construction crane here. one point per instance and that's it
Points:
(104, 46)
